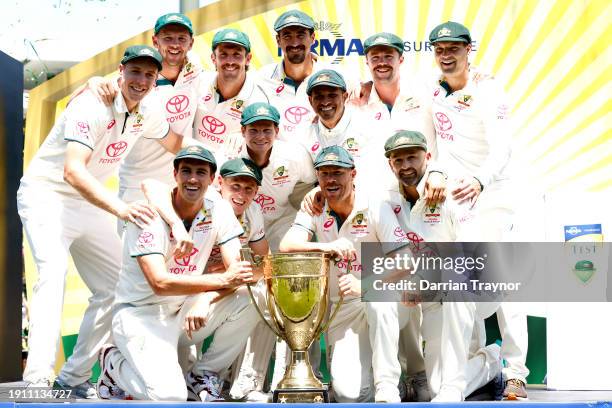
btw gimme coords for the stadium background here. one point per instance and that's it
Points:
(552, 57)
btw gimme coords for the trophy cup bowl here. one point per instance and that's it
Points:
(297, 299)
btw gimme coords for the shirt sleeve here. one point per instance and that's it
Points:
(157, 126)
(257, 223)
(152, 239)
(305, 164)
(83, 118)
(388, 229)
(498, 132)
(226, 223)
(305, 221)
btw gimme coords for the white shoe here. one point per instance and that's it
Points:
(247, 382)
(205, 388)
(387, 393)
(258, 396)
(106, 387)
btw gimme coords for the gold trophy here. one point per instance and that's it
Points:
(297, 299)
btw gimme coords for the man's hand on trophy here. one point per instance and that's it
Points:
(197, 316)
(349, 285)
(341, 249)
(238, 273)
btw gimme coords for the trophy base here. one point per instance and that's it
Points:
(313, 396)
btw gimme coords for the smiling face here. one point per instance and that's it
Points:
(328, 103)
(192, 180)
(384, 63)
(138, 77)
(173, 41)
(336, 183)
(259, 136)
(409, 165)
(239, 191)
(295, 42)
(452, 57)
(231, 61)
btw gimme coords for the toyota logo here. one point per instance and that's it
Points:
(177, 104)
(145, 237)
(184, 261)
(263, 200)
(116, 149)
(443, 122)
(315, 147)
(83, 127)
(397, 209)
(399, 232)
(213, 125)
(295, 114)
(280, 88)
(110, 124)
(328, 223)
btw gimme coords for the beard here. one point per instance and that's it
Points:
(297, 57)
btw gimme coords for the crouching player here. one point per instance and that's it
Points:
(364, 363)
(162, 300)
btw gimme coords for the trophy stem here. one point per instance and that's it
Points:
(298, 373)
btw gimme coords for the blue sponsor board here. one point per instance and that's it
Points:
(574, 231)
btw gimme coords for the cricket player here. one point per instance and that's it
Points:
(239, 180)
(364, 364)
(176, 90)
(474, 135)
(285, 166)
(224, 98)
(162, 301)
(285, 81)
(447, 326)
(65, 209)
(398, 100)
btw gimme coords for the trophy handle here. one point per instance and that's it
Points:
(259, 312)
(325, 326)
(247, 255)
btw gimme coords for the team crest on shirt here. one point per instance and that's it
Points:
(237, 105)
(432, 215)
(188, 69)
(280, 176)
(205, 224)
(465, 100)
(410, 104)
(359, 224)
(352, 146)
(137, 124)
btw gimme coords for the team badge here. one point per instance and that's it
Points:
(432, 215)
(444, 32)
(280, 176)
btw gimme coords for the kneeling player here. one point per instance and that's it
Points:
(159, 297)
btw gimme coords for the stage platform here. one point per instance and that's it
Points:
(538, 397)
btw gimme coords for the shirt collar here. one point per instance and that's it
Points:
(244, 93)
(340, 127)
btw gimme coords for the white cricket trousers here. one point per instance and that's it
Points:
(146, 364)
(447, 332)
(512, 322)
(363, 342)
(57, 225)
